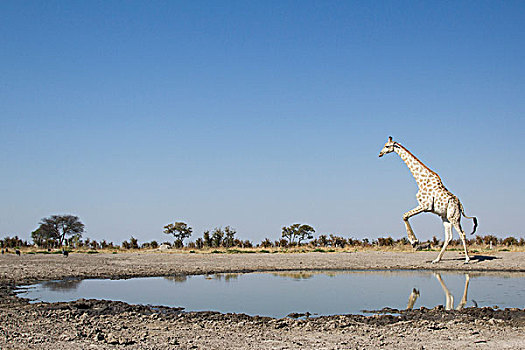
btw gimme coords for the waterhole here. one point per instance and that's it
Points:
(278, 294)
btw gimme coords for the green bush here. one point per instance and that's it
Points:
(234, 251)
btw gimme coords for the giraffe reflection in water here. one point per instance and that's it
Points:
(449, 298)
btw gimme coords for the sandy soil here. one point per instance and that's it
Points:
(91, 324)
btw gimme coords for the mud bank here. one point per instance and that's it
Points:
(96, 324)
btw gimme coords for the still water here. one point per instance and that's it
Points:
(279, 294)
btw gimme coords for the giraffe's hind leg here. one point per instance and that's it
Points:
(463, 301)
(457, 226)
(449, 297)
(448, 238)
(454, 216)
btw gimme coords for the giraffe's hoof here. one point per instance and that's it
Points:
(435, 261)
(466, 261)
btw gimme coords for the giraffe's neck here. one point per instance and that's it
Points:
(419, 170)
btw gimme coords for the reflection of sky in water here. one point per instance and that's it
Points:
(278, 294)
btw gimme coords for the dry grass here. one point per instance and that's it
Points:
(473, 249)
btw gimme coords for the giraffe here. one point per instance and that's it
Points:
(412, 298)
(449, 298)
(432, 197)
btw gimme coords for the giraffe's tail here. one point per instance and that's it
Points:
(470, 217)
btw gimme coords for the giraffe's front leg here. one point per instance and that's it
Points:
(410, 233)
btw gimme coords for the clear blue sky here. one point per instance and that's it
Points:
(258, 115)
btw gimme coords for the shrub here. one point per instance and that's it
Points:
(490, 239)
(94, 244)
(266, 243)
(336, 241)
(199, 243)
(322, 241)
(510, 241)
(389, 241)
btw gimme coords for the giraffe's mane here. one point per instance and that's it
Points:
(417, 159)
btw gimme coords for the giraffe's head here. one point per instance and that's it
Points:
(389, 147)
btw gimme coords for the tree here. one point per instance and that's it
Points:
(57, 227)
(134, 243)
(13, 242)
(229, 238)
(298, 232)
(207, 239)
(217, 237)
(42, 238)
(179, 230)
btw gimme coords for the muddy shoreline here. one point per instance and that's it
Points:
(99, 324)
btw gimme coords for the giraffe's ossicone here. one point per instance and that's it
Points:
(432, 197)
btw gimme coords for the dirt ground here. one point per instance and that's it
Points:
(98, 324)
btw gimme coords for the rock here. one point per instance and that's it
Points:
(111, 339)
(125, 341)
(98, 337)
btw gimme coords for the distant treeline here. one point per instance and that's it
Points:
(60, 231)
(216, 240)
